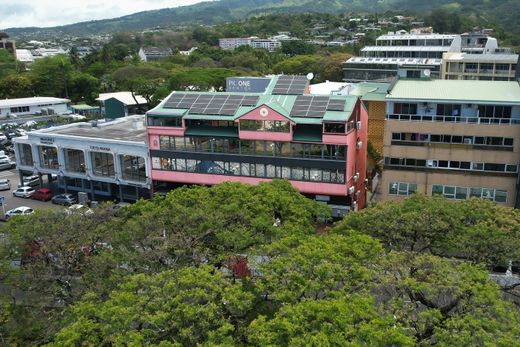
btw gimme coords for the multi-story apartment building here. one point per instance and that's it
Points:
(490, 66)
(456, 138)
(234, 42)
(6, 43)
(411, 55)
(318, 143)
(254, 42)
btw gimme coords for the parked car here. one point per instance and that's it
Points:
(19, 211)
(24, 192)
(5, 184)
(42, 194)
(7, 164)
(32, 181)
(64, 199)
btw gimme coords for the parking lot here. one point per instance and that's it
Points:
(11, 202)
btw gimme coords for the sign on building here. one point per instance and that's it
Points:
(247, 84)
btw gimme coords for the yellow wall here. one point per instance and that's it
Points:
(376, 123)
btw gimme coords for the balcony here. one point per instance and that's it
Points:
(451, 119)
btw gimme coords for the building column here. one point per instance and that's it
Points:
(120, 193)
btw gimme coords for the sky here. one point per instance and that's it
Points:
(48, 13)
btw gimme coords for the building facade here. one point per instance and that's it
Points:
(414, 55)
(103, 159)
(459, 139)
(491, 67)
(33, 106)
(318, 143)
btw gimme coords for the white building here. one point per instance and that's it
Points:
(35, 106)
(24, 56)
(104, 159)
(410, 55)
(234, 42)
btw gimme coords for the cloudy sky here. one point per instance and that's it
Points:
(47, 13)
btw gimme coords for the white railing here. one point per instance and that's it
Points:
(453, 119)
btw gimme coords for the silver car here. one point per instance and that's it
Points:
(5, 184)
(23, 192)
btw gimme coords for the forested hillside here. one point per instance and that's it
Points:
(503, 12)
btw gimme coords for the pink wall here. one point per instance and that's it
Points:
(268, 114)
(165, 131)
(255, 114)
(339, 139)
(356, 159)
(265, 135)
(196, 178)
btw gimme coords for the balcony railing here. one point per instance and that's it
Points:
(452, 119)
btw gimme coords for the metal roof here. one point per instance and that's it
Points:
(463, 91)
(371, 91)
(484, 58)
(405, 49)
(398, 61)
(37, 100)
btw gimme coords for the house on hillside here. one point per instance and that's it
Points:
(154, 53)
(121, 104)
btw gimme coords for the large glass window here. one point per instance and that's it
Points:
(448, 110)
(175, 122)
(25, 153)
(402, 188)
(265, 125)
(402, 108)
(74, 160)
(48, 157)
(334, 128)
(103, 164)
(133, 168)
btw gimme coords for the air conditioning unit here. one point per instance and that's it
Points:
(355, 177)
(358, 193)
(351, 190)
(430, 163)
(468, 141)
(354, 206)
(358, 125)
(359, 144)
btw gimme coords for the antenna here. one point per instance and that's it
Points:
(310, 76)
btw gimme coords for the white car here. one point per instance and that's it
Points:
(19, 211)
(32, 181)
(5, 184)
(23, 192)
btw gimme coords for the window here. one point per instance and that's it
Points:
(25, 152)
(402, 188)
(401, 108)
(19, 109)
(449, 110)
(103, 164)
(157, 121)
(463, 193)
(260, 125)
(133, 168)
(48, 157)
(74, 160)
(334, 128)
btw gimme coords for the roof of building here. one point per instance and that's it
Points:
(83, 107)
(130, 129)
(405, 49)
(285, 95)
(125, 97)
(502, 58)
(464, 91)
(397, 61)
(37, 100)
(371, 91)
(156, 51)
(327, 87)
(416, 36)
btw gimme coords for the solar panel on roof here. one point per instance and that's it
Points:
(290, 85)
(336, 105)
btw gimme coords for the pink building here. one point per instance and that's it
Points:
(318, 143)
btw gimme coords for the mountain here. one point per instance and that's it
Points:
(214, 12)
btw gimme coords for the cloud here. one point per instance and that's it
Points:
(48, 13)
